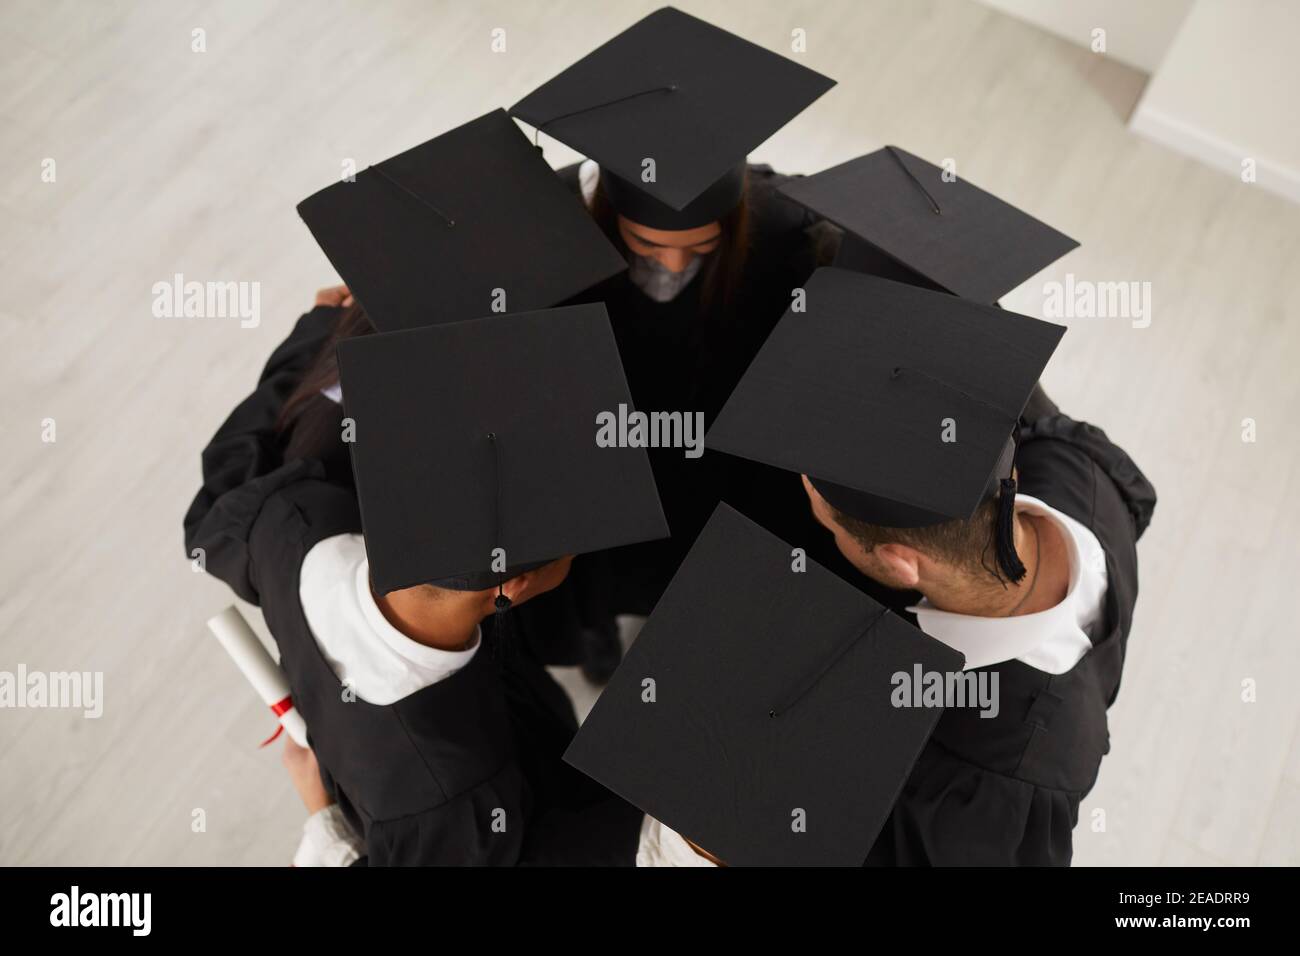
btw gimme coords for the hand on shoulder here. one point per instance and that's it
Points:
(334, 297)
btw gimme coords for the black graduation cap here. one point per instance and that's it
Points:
(672, 88)
(753, 714)
(862, 391)
(902, 221)
(428, 235)
(482, 434)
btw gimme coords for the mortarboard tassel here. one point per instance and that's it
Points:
(501, 622)
(413, 194)
(912, 176)
(1004, 532)
(825, 669)
(898, 370)
(1004, 528)
(502, 626)
(670, 88)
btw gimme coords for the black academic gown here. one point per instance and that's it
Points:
(467, 771)
(678, 356)
(249, 446)
(1006, 790)
(687, 355)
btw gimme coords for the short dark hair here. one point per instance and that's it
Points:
(967, 543)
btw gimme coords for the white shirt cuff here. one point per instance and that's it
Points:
(327, 840)
(663, 846)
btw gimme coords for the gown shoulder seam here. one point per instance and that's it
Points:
(1008, 776)
(445, 802)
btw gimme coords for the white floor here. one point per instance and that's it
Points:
(174, 161)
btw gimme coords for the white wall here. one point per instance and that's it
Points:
(1225, 74)
(1229, 89)
(1138, 32)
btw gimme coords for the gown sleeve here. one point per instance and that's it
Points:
(247, 445)
(467, 771)
(1133, 487)
(600, 834)
(953, 813)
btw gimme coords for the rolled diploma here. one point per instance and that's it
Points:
(256, 664)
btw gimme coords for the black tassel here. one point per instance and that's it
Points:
(825, 669)
(912, 176)
(502, 629)
(1005, 532)
(669, 88)
(413, 194)
(502, 621)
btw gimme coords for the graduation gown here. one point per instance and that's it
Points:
(687, 355)
(678, 356)
(466, 771)
(1006, 790)
(248, 445)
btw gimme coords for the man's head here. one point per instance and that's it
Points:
(480, 603)
(462, 476)
(435, 614)
(955, 553)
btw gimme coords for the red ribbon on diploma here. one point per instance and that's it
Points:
(278, 708)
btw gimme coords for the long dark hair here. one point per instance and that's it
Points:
(309, 421)
(308, 418)
(723, 269)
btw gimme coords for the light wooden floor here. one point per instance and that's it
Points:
(171, 161)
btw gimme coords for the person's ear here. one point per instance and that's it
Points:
(900, 565)
(537, 581)
(519, 587)
(817, 502)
